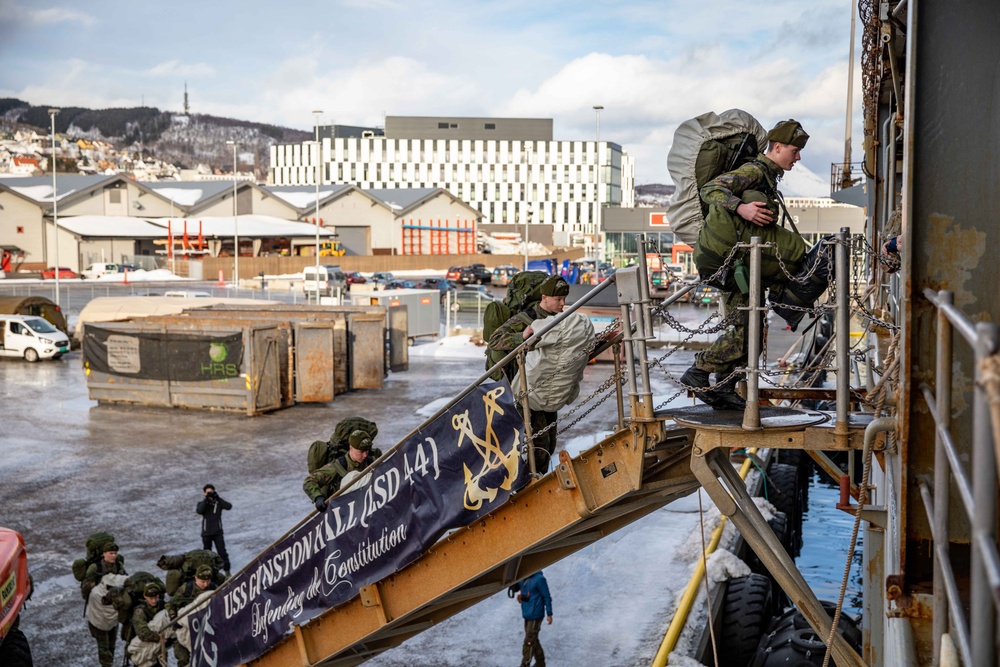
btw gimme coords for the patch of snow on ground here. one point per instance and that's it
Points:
(432, 407)
(676, 659)
(451, 347)
(724, 565)
(138, 276)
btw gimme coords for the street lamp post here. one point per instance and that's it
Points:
(527, 214)
(597, 215)
(319, 162)
(55, 197)
(236, 225)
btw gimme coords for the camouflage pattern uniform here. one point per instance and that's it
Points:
(106, 639)
(729, 351)
(507, 337)
(141, 617)
(326, 481)
(181, 598)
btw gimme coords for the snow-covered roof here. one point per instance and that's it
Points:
(304, 196)
(257, 226)
(188, 193)
(400, 199)
(112, 226)
(39, 188)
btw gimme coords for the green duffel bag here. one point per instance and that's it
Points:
(723, 230)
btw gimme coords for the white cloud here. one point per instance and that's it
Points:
(13, 12)
(176, 68)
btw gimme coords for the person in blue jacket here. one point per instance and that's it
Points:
(536, 604)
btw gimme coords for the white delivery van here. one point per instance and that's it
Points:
(98, 269)
(329, 281)
(31, 337)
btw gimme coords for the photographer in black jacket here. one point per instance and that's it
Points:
(210, 508)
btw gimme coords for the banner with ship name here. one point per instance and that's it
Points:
(462, 466)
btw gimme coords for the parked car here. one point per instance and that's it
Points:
(476, 273)
(659, 281)
(328, 281)
(476, 288)
(98, 269)
(31, 337)
(471, 300)
(127, 266)
(355, 278)
(454, 273)
(64, 273)
(503, 274)
(382, 277)
(400, 284)
(705, 295)
(440, 284)
(677, 287)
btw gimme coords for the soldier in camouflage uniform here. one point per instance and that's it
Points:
(517, 330)
(144, 613)
(729, 351)
(185, 595)
(326, 481)
(109, 563)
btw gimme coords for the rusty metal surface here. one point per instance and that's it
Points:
(366, 343)
(314, 362)
(952, 238)
(399, 340)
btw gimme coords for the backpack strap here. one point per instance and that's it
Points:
(340, 465)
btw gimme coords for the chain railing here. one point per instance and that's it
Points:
(976, 483)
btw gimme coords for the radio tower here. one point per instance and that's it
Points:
(187, 108)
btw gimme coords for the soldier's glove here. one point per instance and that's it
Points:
(162, 562)
(320, 503)
(172, 613)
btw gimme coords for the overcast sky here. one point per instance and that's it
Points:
(649, 63)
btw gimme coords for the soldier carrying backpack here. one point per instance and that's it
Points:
(322, 452)
(523, 295)
(181, 568)
(742, 203)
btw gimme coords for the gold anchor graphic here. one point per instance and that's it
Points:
(489, 449)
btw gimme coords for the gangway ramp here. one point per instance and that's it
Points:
(605, 488)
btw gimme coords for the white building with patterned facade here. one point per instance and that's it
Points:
(510, 169)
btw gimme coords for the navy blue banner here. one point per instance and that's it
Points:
(463, 465)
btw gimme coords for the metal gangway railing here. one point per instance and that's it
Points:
(972, 631)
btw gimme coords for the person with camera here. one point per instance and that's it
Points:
(210, 508)
(536, 604)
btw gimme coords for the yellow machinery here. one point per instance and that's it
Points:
(331, 249)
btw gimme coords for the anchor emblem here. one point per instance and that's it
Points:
(488, 447)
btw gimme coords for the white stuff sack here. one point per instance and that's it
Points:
(184, 618)
(555, 365)
(104, 616)
(147, 654)
(684, 208)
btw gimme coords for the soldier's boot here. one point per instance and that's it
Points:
(724, 397)
(694, 379)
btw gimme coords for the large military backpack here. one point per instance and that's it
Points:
(523, 292)
(130, 596)
(182, 567)
(93, 546)
(704, 147)
(322, 452)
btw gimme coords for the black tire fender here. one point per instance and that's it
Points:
(746, 613)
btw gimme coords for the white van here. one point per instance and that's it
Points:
(329, 281)
(31, 337)
(98, 269)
